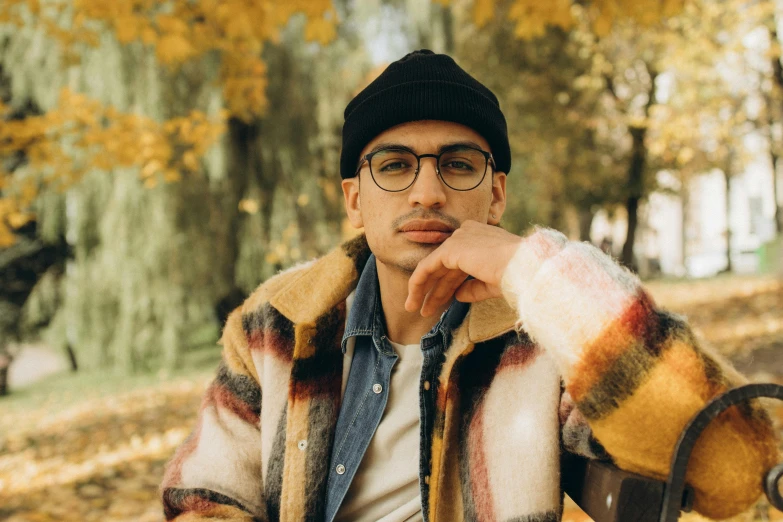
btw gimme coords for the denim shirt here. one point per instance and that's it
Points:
(367, 388)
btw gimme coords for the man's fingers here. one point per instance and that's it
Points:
(442, 292)
(423, 279)
(477, 250)
(427, 303)
(474, 290)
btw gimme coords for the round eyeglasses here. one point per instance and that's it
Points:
(460, 167)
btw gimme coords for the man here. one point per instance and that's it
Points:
(418, 372)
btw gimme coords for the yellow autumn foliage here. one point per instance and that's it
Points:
(182, 30)
(532, 17)
(104, 139)
(178, 31)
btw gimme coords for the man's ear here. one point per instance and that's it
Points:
(353, 206)
(498, 204)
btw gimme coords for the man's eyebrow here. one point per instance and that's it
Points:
(445, 146)
(456, 144)
(398, 146)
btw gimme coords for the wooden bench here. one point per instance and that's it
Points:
(608, 494)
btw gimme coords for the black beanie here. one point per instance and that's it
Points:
(423, 85)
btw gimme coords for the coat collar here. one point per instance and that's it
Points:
(317, 288)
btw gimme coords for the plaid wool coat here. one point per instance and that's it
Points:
(576, 356)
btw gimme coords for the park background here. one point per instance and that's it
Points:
(160, 158)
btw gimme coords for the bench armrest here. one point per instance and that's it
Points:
(608, 494)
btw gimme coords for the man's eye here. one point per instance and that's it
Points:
(393, 166)
(458, 165)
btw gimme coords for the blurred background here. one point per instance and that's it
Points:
(161, 158)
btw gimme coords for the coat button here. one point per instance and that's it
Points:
(377, 388)
(340, 469)
(426, 385)
(427, 480)
(302, 445)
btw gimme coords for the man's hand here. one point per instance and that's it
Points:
(475, 249)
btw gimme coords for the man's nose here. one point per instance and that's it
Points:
(428, 190)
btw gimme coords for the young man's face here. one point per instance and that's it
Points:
(403, 227)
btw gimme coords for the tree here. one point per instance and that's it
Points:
(209, 133)
(140, 290)
(635, 67)
(179, 33)
(573, 128)
(709, 112)
(772, 94)
(610, 72)
(22, 266)
(531, 19)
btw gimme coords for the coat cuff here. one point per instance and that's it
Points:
(566, 293)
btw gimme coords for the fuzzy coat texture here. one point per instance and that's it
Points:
(577, 356)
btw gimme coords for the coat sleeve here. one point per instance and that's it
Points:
(636, 373)
(215, 474)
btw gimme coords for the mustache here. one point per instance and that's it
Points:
(426, 214)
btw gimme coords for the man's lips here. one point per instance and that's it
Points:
(426, 231)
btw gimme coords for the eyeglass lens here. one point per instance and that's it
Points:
(460, 169)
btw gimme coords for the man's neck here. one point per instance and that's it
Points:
(402, 327)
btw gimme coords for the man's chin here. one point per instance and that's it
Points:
(408, 261)
(402, 254)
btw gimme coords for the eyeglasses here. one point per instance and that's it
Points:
(460, 167)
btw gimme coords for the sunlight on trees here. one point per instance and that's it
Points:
(531, 19)
(108, 106)
(79, 134)
(61, 145)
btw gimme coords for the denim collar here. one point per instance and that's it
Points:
(364, 310)
(366, 314)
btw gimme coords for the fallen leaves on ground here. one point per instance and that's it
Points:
(738, 315)
(101, 459)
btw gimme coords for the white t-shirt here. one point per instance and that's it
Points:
(386, 485)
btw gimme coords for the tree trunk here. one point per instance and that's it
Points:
(684, 201)
(778, 205)
(448, 31)
(72, 357)
(5, 363)
(556, 215)
(636, 175)
(244, 164)
(727, 180)
(3, 381)
(585, 223)
(777, 74)
(635, 186)
(632, 209)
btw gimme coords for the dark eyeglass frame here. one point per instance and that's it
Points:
(488, 159)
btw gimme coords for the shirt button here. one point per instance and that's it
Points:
(340, 469)
(426, 385)
(377, 388)
(302, 445)
(427, 480)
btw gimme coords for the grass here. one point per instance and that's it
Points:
(65, 389)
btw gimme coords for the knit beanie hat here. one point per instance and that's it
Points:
(423, 85)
